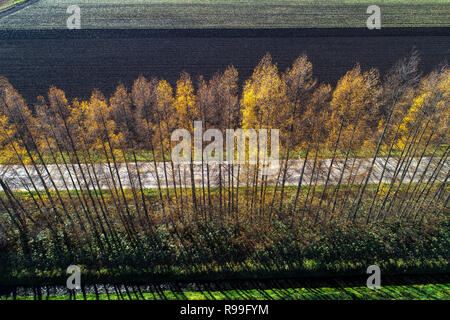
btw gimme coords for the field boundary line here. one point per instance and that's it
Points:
(16, 8)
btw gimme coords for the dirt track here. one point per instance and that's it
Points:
(17, 179)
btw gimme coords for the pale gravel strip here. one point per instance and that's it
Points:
(16, 178)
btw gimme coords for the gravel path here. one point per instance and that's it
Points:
(17, 178)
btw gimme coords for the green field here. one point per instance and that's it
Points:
(50, 14)
(390, 292)
(6, 4)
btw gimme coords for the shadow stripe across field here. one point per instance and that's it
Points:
(433, 286)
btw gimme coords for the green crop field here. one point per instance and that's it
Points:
(390, 292)
(6, 4)
(50, 14)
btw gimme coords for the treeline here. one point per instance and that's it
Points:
(398, 123)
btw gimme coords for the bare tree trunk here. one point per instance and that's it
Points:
(330, 168)
(405, 171)
(380, 140)
(415, 208)
(299, 186)
(414, 174)
(310, 182)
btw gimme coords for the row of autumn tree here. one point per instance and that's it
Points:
(351, 117)
(401, 116)
(399, 123)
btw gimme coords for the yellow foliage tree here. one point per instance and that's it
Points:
(354, 109)
(264, 102)
(185, 106)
